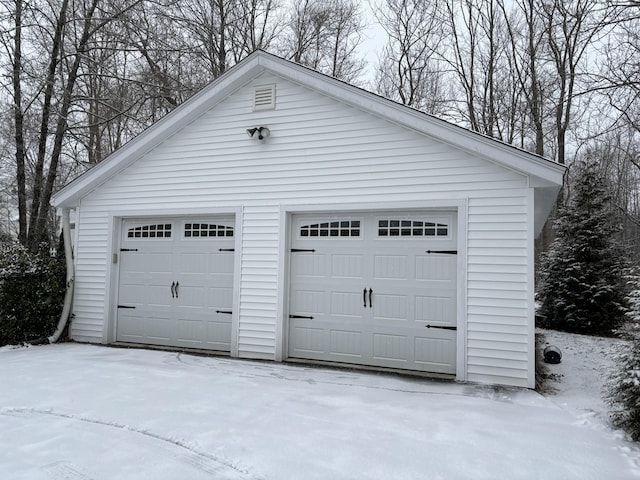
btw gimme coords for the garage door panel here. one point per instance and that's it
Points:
(158, 326)
(439, 268)
(157, 295)
(346, 343)
(390, 347)
(391, 267)
(432, 308)
(309, 265)
(309, 302)
(131, 293)
(347, 266)
(307, 339)
(221, 263)
(219, 333)
(192, 263)
(382, 289)
(436, 353)
(179, 277)
(346, 304)
(391, 307)
(190, 330)
(191, 294)
(131, 327)
(220, 297)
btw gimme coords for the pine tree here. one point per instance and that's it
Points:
(581, 288)
(623, 388)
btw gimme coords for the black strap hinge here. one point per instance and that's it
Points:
(448, 252)
(226, 249)
(301, 316)
(126, 306)
(442, 327)
(294, 250)
(128, 249)
(228, 312)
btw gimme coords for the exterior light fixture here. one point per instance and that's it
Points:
(259, 133)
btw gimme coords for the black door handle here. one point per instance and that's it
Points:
(364, 297)
(177, 285)
(173, 286)
(370, 303)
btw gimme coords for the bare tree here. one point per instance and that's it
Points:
(324, 35)
(571, 28)
(620, 76)
(45, 75)
(525, 37)
(408, 69)
(484, 67)
(258, 27)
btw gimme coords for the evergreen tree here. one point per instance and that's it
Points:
(623, 388)
(581, 288)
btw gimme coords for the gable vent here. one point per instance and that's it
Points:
(264, 97)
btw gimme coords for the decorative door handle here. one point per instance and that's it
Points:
(364, 297)
(370, 303)
(173, 286)
(177, 285)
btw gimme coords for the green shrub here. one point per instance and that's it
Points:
(32, 288)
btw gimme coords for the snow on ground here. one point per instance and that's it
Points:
(576, 383)
(84, 412)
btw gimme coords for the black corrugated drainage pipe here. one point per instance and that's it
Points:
(68, 296)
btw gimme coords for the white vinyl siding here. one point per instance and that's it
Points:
(320, 152)
(258, 282)
(498, 313)
(88, 324)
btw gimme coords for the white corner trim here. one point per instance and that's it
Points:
(461, 337)
(531, 330)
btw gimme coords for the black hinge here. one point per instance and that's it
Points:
(226, 249)
(228, 312)
(128, 249)
(126, 306)
(448, 252)
(442, 327)
(303, 250)
(301, 316)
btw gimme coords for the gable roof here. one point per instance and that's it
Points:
(545, 176)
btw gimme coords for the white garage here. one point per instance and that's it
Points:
(281, 214)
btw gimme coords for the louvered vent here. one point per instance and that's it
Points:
(264, 97)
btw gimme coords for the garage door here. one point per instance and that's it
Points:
(375, 289)
(176, 283)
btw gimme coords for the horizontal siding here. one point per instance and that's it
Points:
(258, 284)
(319, 152)
(497, 290)
(89, 302)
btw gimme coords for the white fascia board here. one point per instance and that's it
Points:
(168, 125)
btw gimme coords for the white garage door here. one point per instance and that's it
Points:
(375, 289)
(176, 283)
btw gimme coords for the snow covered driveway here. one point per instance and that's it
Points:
(75, 412)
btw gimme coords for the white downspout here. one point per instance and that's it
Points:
(68, 254)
